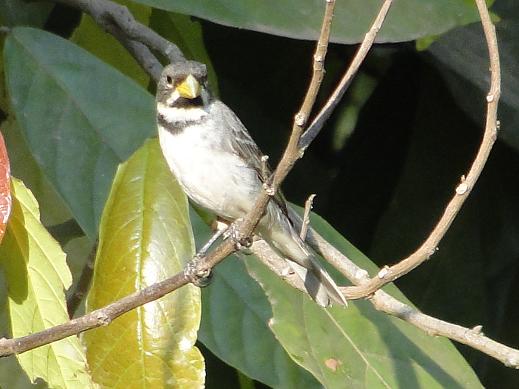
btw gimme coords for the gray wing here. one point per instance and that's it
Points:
(244, 146)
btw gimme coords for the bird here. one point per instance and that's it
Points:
(220, 168)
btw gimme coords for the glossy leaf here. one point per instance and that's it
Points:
(104, 46)
(145, 237)
(235, 313)
(36, 274)
(5, 191)
(358, 346)
(301, 19)
(80, 116)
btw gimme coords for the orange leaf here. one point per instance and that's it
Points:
(5, 190)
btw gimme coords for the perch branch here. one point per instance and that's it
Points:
(429, 247)
(97, 318)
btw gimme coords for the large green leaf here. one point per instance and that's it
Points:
(301, 19)
(80, 116)
(36, 274)
(358, 347)
(235, 313)
(145, 237)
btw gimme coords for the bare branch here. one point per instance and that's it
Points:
(321, 118)
(97, 318)
(306, 217)
(429, 247)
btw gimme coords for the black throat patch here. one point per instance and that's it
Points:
(182, 102)
(173, 127)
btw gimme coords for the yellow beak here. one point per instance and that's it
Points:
(189, 88)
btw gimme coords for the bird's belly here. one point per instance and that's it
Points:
(211, 177)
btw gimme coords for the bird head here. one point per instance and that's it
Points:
(183, 85)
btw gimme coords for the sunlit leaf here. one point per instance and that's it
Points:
(37, 275)
(145, 237)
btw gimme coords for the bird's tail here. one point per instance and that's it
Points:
(319, 284)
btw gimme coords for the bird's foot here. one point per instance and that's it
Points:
(197, 277)
(233, 232)
(269, 189)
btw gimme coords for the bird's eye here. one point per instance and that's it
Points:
(169, 80)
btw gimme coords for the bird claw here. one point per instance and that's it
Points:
(197, 277)
(241, 242)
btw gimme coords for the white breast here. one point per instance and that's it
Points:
(215, 179)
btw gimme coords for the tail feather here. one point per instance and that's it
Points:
(331, 287)
(318, 282)
(313, 285)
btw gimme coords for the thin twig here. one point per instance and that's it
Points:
(306, 217)
(317, 124)
(429, 247)
(97, 318)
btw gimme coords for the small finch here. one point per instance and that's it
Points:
(220, 168)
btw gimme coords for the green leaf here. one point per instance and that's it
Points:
(145, 237)
(104, 46)
(37, 274)
(80, 116)
(235, 313)
(358, 346)
(301, 19)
